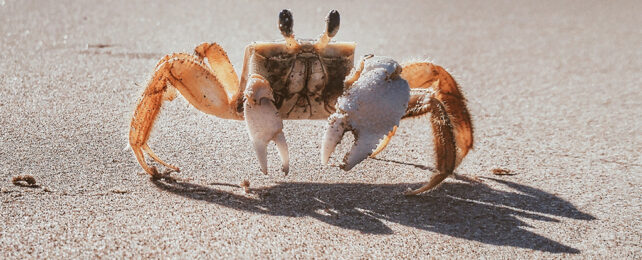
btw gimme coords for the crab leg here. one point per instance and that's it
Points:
(444, 141)
(195, 81)
(364, 112)
(155, 157)
(434, 90)
(427, 79)
(441, 86)
(263, 121)
(450, 119)
(220, 66)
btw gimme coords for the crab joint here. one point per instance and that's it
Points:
(259, 88)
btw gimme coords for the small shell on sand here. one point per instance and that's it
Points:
(500, 171)
(24, 180)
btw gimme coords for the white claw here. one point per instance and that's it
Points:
(333, 135)
(282, 146)
(261, 153)
(264, 123)
(370, 109)
(363, 145)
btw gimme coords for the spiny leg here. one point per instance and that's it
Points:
(195, 81)
(435, 180)
(146, 112)
(140, 157)
(174, 56)
(264, 123)
(442, 86)
(435, 91)
(444, 145)
(155, 157)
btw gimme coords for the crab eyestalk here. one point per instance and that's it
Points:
(286, 22)
(332, 22)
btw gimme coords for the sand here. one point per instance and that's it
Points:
(554, 89)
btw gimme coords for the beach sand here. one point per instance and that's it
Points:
(554, 89)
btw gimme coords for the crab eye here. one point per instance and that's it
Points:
(286, 22)
(332, 23)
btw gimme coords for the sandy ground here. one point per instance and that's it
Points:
(555, 90)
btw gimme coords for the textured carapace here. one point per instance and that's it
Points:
(306, 75)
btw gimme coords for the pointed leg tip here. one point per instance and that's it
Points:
(410, 192)
(346, 167)
(153, 171)
(333, 135)
(173, 168)
(326, 153)
(156, 175)
(325, 159)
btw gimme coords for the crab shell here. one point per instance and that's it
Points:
(306, 80)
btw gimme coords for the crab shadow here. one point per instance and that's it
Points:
(468, 210)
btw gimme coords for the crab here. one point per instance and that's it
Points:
(310, 79)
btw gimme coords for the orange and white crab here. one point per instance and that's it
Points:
(310, 79)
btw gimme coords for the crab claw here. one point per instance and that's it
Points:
(263, 122)
(370, 108)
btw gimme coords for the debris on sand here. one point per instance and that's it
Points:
(500, 171)
(245, 184)
(24, 181)
(100, 45)
(119, 191)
